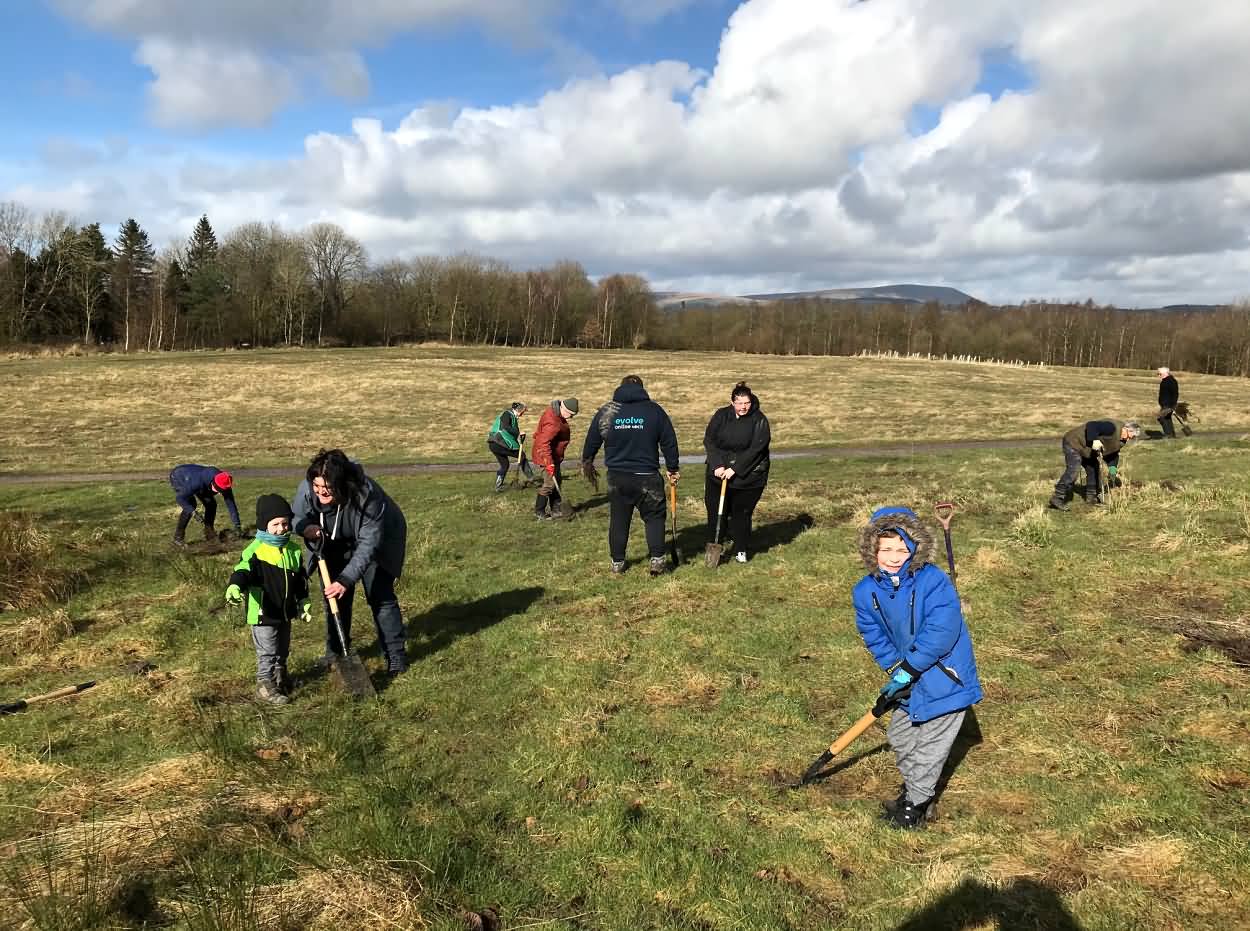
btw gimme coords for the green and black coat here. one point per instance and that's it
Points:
(274, 581)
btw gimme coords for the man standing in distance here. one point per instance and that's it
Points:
(634, 430)
(1169, 397)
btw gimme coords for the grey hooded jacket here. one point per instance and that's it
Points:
(371, 527)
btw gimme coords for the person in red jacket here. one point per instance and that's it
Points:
(551, 439)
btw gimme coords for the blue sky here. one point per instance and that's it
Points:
(1012, 150)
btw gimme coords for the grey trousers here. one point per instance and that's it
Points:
(921, 750)
(273, 646)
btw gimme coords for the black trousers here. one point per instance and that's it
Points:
(739, 507)
(504, 457)
(1072, 465)
(627, 491)
(1165, 421)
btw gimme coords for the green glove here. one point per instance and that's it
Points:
(305, 611)
(1111, 470)
(234, 595)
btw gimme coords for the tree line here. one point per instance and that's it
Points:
(262, 285)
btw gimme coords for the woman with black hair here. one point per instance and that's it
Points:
(361, 533)
(736, 441)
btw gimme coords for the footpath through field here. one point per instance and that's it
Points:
(417, 468)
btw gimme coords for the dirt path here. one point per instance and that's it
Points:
(420, 468)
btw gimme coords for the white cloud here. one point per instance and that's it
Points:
(1122, 174)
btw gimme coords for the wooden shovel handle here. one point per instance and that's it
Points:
(944, 510)
(855, 730)
(326, 581)
(672, 498)
(720, 507)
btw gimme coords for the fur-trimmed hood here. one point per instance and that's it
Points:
(895, 520)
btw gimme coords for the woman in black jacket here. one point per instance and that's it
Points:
(736, 441)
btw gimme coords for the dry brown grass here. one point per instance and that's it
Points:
(435, 402)
(371, 896)
(31, 577)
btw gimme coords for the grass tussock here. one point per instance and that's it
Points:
(38, 634)
(32, 577)
(1033, 528)
(371, 896)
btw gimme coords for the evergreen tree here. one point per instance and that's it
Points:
(90, 281)
(133, 263)
(206, 284)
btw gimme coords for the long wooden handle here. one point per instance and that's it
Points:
(672, 498)
(325, 583)
(720, 508)
(21, 705)
(855, 730)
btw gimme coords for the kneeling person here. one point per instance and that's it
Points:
(270, 574)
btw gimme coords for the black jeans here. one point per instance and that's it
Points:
(739, 507)
(1073, 463)
(1165, 421)
(388, 620)
(504, 457)
(627, 491)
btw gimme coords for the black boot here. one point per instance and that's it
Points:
(1058, 502)
(540, 508)
(180, 531)
(396, 662)
(907, 816)
(1092, 497)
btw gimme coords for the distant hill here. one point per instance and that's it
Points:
(883, 294)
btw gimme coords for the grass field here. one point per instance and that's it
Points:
(578, 751)
(269, 408)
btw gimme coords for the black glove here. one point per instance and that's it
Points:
(312, 533)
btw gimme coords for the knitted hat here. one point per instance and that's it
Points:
(571, 404)
(270, 506)
(223, 481)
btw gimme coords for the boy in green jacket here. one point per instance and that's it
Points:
(272, 576)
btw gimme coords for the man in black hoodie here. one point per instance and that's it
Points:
(634, 430)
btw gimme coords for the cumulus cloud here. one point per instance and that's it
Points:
(1121, 172)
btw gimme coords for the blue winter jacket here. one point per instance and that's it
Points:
(191, 481)
(920, 621)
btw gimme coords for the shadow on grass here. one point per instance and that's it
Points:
(848, 763)
(968, 737)
(447, 622)
(1015, 906)
(693, 540)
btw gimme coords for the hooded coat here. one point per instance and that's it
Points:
(915, 618)
(740, 443)
(631, 426)
(551, 438)
(370, 528)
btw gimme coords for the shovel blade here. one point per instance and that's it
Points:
(817, 765)
(353, 678)
(712, 554)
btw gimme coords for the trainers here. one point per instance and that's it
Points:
(658, 565)
(267, 691)
(498, 483)
(541, 515)
(618, 566)
(179, 541)
(741, 557)
(908, 817)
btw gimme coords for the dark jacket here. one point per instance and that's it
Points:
(505, 431)
(1169, 392)
(551, 438)
(1081, 438)
(192, 481)
(916, 617)
(369, 529)
(740, 443)
(276, 586)
(631, 427)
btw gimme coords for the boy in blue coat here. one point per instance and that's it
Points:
(907, 611)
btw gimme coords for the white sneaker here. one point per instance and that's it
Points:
(741, 557)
